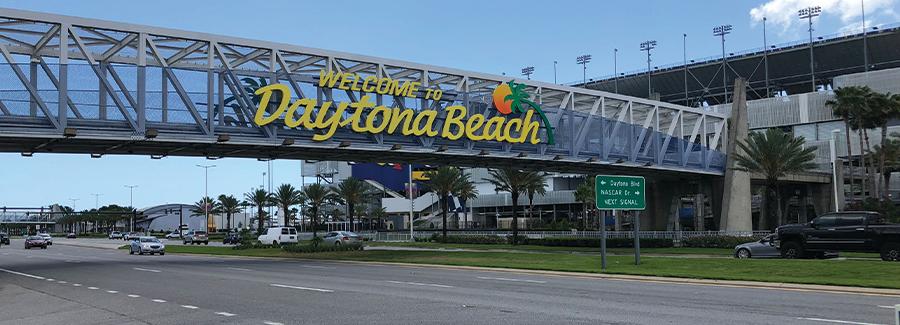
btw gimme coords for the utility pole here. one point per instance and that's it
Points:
(647, 46)
(616, 70)
(721, 31)
(583, 61)
(133, 210)
(527, 71)
(808, 13)
(206, 192)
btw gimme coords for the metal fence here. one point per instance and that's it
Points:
(674, 235)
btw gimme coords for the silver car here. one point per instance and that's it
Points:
(763, 248)
(47, 238)
(147, 244)
(338, 238)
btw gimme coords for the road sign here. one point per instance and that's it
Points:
(615, 192)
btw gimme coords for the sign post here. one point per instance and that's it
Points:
(614, 192)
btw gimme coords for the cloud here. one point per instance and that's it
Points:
(783, 13)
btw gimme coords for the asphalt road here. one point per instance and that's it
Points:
(79, 285)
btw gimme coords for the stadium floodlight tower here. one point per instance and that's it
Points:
(527, 71)
(647, 46)
(721, 31)
(808, 13)
(583, 61)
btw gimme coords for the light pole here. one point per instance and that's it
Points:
(583, 61)
(647, 46)
(206, 192)
(766, 58)
(616, 70)
(862, 5)
(554, 71)
(73, 203)
(527, 71)
(808, 13)
(96, 201)
(721, 31)
(133, 210)
(684, 64)
(411, 205)
(834, 167)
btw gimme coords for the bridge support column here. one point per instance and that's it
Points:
(736, 215)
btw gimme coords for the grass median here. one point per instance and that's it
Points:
(861, 273)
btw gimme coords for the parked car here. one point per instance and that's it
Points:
(115, 235)
(851, 231)
(4, 238)
(196, 237)
(278, 235)
(35, 241)
(47, 238)
(132, 236)
(173, 235)
(338, 238)
(71, 235)
(232, 238)
(147, 244)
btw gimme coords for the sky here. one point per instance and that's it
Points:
(495, 36)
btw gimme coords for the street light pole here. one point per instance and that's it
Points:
(206, 191)
(527, 71)
(808, 14)
(554, 71)
(583, 61)
(411, 205)
(834, 167)
(721, 31)
(616, 70)
(647, 46)
(133, 210)
(96, 201)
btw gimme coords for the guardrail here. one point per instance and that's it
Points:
(674, 235)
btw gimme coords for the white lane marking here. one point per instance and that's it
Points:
(272, 323)
(238, 269)
(299, 288)
(93, 288)
(891, 307)
(112, 291)
(316, 267)
(76, 284)
(158, 300)
(511, 280)
(146, 270)
(835, 321)
(23, 274)
(189, 306)
(134, 296)
(61, 282)
(51, 280)
(222, 313)
(422, 284)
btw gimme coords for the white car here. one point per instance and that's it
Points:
(147, 244)
(173, 235)
(278, 236)
(47, 238)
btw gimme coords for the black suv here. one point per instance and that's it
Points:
(851, 231)
(4, 238)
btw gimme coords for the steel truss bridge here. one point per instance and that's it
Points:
(75, 85)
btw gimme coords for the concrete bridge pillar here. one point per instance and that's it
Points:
(736, 215)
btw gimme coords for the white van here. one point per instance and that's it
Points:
(278, 236)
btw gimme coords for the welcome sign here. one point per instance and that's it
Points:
(508, 98)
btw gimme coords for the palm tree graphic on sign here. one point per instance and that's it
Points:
(509, 97)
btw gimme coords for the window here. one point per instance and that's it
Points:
(293, 231)
(824, 222)
(284, 231)
(850, 221)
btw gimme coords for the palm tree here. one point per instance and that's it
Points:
(206, 207)
(584, 193)
(536, 185)
(774, 154)
(889, 151)
(847, 102)
(314, 196)
(888, 109)
(446, 181)
(465, 193)
(229, 205)
(260, 199)
(352, 191)
(513, 181)
(284, 197)
(378, 214)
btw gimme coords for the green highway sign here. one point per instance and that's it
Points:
(615, 192)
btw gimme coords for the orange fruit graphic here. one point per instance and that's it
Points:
(500, 102)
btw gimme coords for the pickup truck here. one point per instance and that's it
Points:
(851, 231)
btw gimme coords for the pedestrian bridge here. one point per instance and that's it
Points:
(74, 85)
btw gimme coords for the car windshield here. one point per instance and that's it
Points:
(149, 240)
(35, 238)
(200, 233)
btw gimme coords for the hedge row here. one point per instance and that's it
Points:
(437, 238)
(595, 242)
(717, 241)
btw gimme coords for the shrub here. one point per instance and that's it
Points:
(252, 245)
(320, 248)
(468, 239)
(717, 241)
(595, 242)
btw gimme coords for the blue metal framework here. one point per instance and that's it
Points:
(78, 85)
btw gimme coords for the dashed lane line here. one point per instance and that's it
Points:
(299, 288)
(836, 321)
(189, 306)
(134, 296)
(146, 270)
(222, 313)
(422, 284)
(239, 269)
(511, 280)
(272, 323)
(93, 288)
(158, 300)
(112, 291)
(24, 274)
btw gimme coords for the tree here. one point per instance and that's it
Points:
(889, 151)
(513, 181)
(774, 154)
(536, 185)
(206, 207)
(284, 197)
(260, 199)
(378, 214)
(229, 205)
(887, 109)
(446, 181)
(352, 191)
(848, 102)
(314, 196)
(465, 193)
(584, 193)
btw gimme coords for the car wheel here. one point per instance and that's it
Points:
(791, 250)
(140, 253)
(184, 243)
(206, 243)
(43, 247)
(890, 252)
(337, 244)
(151, 253)
(130, 252)
(162, 253)
(274, 243)
(742, 253)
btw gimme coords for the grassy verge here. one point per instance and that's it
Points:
(538, 248)
(862, 273)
